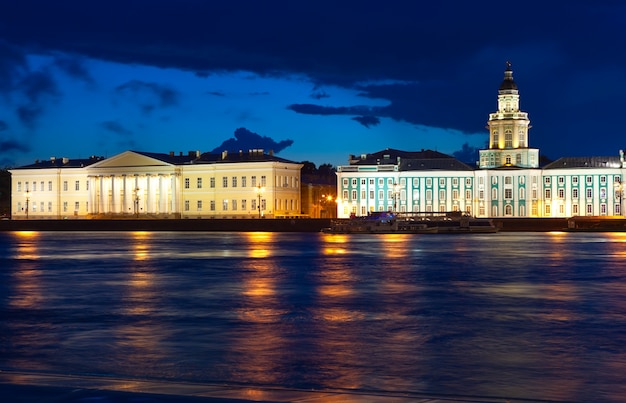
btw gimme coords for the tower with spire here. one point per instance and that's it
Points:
(508, 131)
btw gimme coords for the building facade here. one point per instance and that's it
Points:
(507, 180)
(249, 184)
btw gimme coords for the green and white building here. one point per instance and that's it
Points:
(507, 180)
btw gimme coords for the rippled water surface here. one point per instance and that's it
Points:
(526, 315)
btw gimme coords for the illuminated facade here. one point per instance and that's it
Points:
(507, 181)
(151, 185)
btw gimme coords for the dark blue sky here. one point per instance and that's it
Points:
(311, 80)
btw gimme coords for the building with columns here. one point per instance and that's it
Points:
(151, 185)
(507, 180)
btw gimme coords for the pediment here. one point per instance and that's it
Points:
(129, 159)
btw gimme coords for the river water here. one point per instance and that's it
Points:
(519, 315)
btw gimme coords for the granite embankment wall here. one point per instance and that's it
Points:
(269, 225)
(530, 224)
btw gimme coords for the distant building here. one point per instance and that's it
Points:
(507, 181)
(151, 185)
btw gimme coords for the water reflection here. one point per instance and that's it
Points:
(518, 315)
(27, 276)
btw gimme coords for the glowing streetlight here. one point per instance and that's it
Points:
(619, 192)
(396, 194)
(259, 191)
(27, 195)
(137, 190)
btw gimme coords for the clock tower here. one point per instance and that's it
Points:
(508, 131)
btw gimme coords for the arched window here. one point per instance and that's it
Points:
(521, 139)
(508, 139)
(508, 210)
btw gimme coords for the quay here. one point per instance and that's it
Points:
(504, 224)
(241, 225)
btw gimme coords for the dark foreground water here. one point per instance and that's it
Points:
(526, 315)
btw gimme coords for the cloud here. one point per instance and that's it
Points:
(9, 145)
(115, 127)
(367, 121)
(247, 140)
(467, 154)
(74, 67)
(148, 95)
(319, 95)
(37, 88)
(367, 114)
(311, 109)
(28, 115)
(12, 66)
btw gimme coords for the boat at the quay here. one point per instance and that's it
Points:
(451, 222)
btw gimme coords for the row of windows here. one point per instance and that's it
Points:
(390, 182)
(227, 205)
(588, 180)
(240, 205)
(35, 207)
(589, 193)
(32, 186)
(234, 181)
(508, 180)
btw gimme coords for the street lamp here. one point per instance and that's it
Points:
(396, 194)
(259, 191)
(27, 200)
(137, 202)
(619, 194)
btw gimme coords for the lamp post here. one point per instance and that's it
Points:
(619, 194)
(259, 191)
(396, 193)
(27, 201)
(137, 202)
(325, 202)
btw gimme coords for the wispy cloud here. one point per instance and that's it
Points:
(148, 95)
(115, 127)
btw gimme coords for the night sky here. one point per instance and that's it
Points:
(310, 80)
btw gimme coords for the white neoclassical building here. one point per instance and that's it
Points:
(507, 180)
(151, 185)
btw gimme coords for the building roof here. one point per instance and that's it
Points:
(392, 156)
(411, 160)
(192, 157)
(433, 164)
(195, 157)
(585, 162)
(54, 162)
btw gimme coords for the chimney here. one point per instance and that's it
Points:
(171, 153)
(224, 154)
(197, 153)
(65, 160)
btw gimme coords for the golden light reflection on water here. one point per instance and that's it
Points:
(334, 244)
(260, 244)
(141, 244)
(394, 245)
(27, 277)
